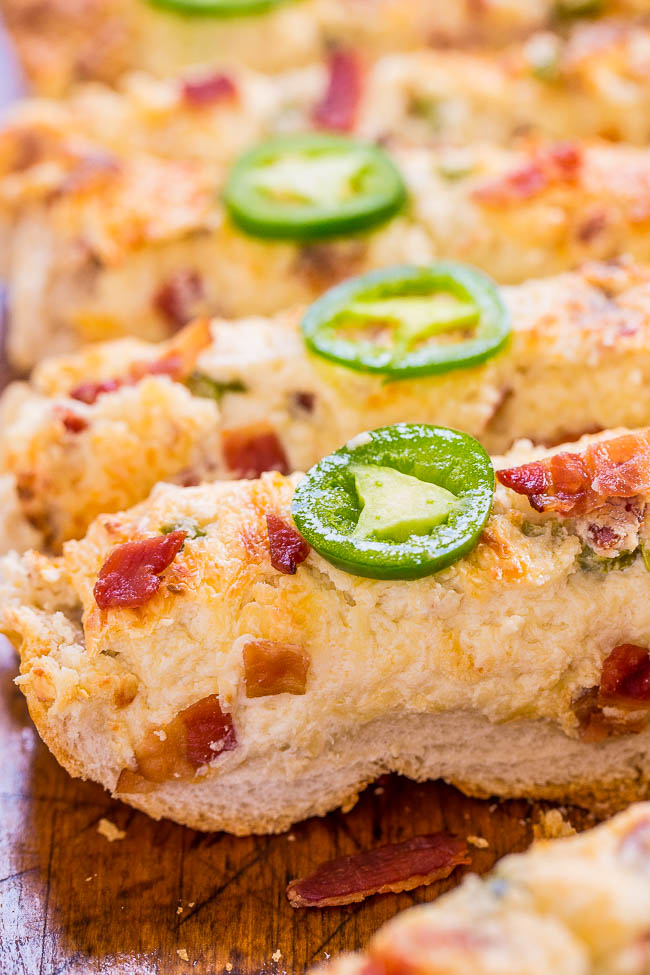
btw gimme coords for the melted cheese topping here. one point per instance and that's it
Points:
(578, 359)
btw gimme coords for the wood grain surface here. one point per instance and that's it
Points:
(72, 902)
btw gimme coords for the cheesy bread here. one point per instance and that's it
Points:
(196, 658)
(96, 246)
(89, 435)
(66, 41)
(592, 82)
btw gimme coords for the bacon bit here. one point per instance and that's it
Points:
(592, 226)
(625, 679)
(90, 392)
(274, 668)
(251, 450)
(548, 166)
(304, 401)
(130, 575)
(388, 869)
(208, 731)
(177, 363)
(603, 536)
(575, 484)
(596, 725)
(203, 92)
(591, 720)
(180, 297)
(195, 737)
(170, 365)
(72, 422)
(339, 107)
(181, 352)
(287, 546)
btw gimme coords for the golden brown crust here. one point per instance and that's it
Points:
(472, 658)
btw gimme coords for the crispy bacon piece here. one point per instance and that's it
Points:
(90, 392)
(72, 422)
(209, 90)
(575, 484)
(180, 297)
(388, 869)
(208, 731)
(177, 362)
(625, 679)
(195, 737)
(250, 450)
(274, 668)
(287, 546)
(339, 107)
(548, 166)
(130, 575)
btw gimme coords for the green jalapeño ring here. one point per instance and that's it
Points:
(301, 187)
(400, 502)
(409, 321)
(218, 8)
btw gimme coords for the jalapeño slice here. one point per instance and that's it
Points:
(218, 8)
(400, 502)
(313, 185)
(409, 321)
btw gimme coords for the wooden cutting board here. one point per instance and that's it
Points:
(167, 900)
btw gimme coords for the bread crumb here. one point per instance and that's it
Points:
(379, 791)
(277, 955)
(179, 909)
(191, 903)
(109, 830)
(182, 954)
(552, 825)
(162, 735)
(228, 966)
(478, 841)
(291, 838)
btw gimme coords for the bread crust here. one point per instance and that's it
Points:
(527, 759)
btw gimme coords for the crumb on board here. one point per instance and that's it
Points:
(551, 825)
(179, 909)
(109, 830)
(277, 955)
(182, 954)
(379, 791)
(228, 966)
(291, 838)
(191, 903)
(479, 841)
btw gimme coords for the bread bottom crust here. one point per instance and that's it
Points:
(267, 793)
